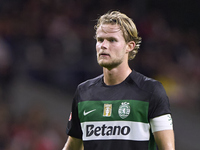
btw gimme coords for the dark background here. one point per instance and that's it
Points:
(47, 48)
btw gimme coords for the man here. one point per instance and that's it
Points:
(120, 109)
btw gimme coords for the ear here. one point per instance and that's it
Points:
(130, 46)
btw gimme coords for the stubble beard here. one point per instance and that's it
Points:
(109, 64)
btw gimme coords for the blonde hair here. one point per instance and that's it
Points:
(127, 27)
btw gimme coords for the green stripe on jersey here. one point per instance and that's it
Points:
(122, 110)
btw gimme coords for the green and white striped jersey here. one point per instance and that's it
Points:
(117, 117)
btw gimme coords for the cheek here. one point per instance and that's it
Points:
(97, 46)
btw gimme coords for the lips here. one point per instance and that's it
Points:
(104, 54)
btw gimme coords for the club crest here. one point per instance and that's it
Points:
(124, 110)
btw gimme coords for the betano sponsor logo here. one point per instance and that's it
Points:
(106, 130)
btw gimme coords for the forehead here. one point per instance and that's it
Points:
(108, 29)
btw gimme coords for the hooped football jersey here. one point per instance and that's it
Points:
(117, 117)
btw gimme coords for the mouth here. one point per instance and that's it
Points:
(104, 54)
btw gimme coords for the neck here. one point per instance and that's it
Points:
(116, 75)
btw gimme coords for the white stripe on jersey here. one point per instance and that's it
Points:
(123, 130)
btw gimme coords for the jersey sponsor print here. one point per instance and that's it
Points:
(119, 119)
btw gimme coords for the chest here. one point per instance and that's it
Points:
(113, 110)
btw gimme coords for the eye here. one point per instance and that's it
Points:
(100, 40)
(112, 40)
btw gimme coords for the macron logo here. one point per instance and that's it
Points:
(86, 113)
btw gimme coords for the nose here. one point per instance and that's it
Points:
(104, 44)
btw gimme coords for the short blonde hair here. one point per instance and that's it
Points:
(127, 27)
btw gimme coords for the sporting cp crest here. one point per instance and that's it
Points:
(124, 110)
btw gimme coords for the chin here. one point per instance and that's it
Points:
(108, 65)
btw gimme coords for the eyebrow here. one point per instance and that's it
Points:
(107, 38)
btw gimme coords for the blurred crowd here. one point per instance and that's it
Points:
(51, 41)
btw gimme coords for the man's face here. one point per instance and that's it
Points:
(110, 46)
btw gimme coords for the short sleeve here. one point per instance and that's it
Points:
(74, 128)
(159, 102)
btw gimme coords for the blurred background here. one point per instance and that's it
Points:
(47, 48)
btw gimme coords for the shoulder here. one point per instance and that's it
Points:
(158, 99)
(145, 83)
(90, 83)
